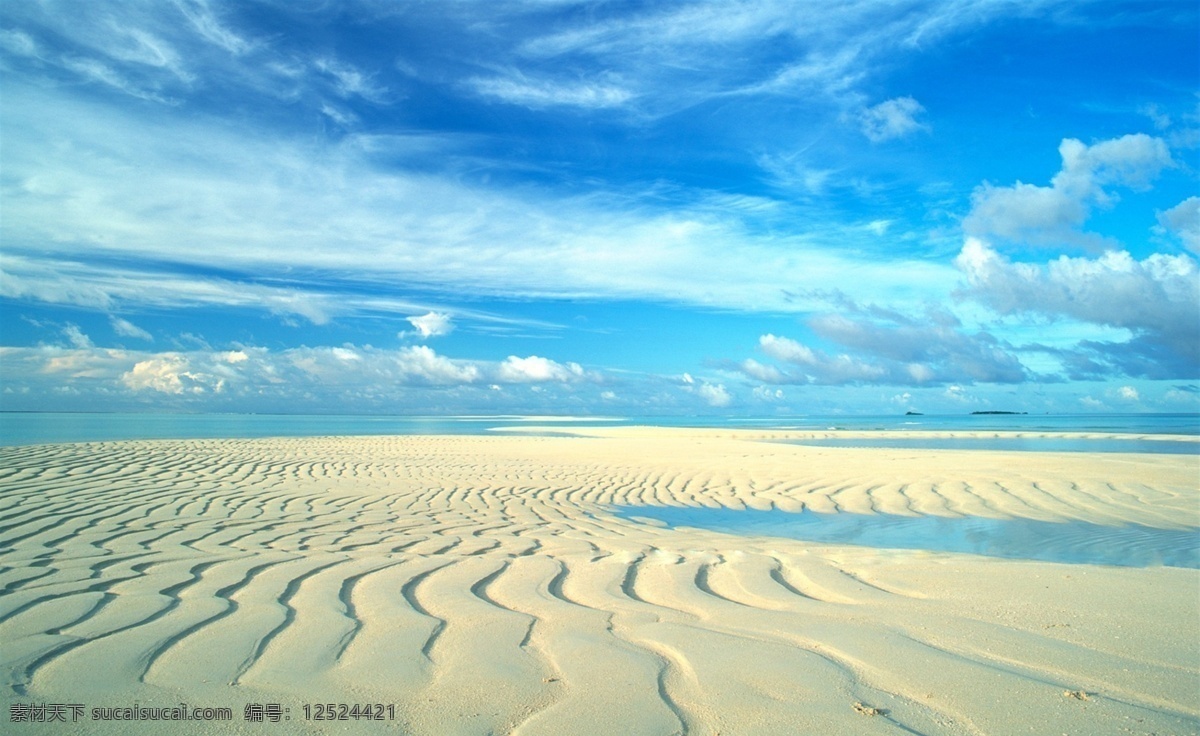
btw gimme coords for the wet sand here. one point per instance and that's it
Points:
(483, 585)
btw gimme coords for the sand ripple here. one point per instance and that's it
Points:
(482, 585)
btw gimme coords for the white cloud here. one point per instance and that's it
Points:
(788, 350)
(426, 229)
(1154, 298)
(204, 19)
(1183, 398)
(340, 377)
(432, 324)
(886, 347)
(1128, 393)
(76, 337)
(1184, 219)
(125, 328)
(19, 43)
(392, 226)
(816, 366)
(715, 394)
(69, 364)
(682, 53)
(421, 363)
(349, 81)
(72, 281)
(170, 373)
(344, 118)
(1158, 293)
(518, 90)
(767, 393)
(895, 118)
(537, 369)
(335, 367)
(1052, 215)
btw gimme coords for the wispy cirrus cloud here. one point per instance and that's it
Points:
(519, 90)
(264, 205)
(207, 21)
(108, 287)
(177, 53)
(675, 56)
(125, 328)
(386, 167)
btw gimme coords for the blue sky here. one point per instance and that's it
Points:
(620, 208)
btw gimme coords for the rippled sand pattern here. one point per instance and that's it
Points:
(481, 586)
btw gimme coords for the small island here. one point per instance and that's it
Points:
(999, 412)
(913, 414)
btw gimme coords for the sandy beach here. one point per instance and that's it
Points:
(484, 584)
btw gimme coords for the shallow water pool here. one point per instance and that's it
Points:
(1071, 542)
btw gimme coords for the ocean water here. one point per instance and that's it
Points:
(1068, 542)
(1013, 444)
(21, 428)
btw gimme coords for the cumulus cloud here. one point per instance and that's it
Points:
(1128, 393)
(934, 347)
(895, 118)
(432, 324)
(537, 369)
(1155, 299)
(352, 366)
(768, 393)
(327, 375)
(813, 365)
(1040, 215)
(425, 366)
(714, 394)
(171, 373)
(1184, 220)
(886, 347)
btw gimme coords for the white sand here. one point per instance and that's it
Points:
(480, 585)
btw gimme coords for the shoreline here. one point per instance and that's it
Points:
(38, 428)
(481, 583)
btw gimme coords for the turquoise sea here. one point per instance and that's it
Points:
(21, 428)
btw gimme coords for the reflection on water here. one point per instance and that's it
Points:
(1016, 444)
(1073, 542)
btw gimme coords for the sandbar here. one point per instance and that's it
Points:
(484, 585)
